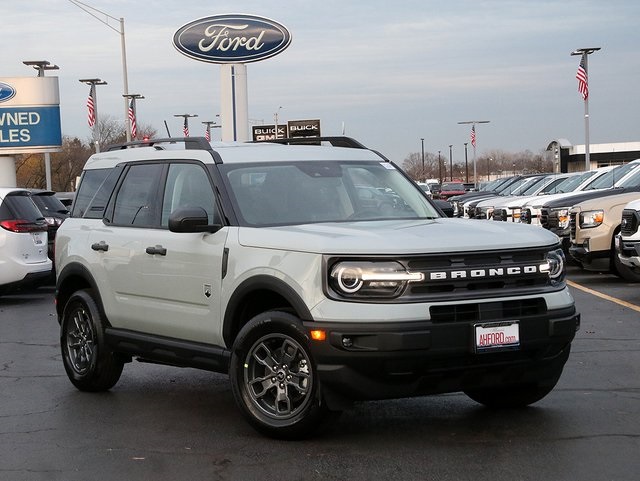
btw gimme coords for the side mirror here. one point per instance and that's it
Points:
(191, 219)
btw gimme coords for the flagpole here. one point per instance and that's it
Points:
(92, 82)
(584, 54)
(131, 105)
(473, 144)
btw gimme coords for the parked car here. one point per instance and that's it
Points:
(23, 241)
(449, 189)
(66, 198)
(555, 214)
(54, 212)
(275, 265)
(593, 226)
(627, 242)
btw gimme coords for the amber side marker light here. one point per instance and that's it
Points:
(318, 335)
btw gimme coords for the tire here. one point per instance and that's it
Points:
(274, 379)
(89, 363)
(513, 396)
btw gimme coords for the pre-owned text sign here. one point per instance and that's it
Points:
(231, 38)
(29, 115)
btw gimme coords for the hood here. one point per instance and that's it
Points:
(398, 237)
(571, 200)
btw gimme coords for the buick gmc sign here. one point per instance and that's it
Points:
(231, 38)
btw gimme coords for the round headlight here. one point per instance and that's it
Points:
(555, 260)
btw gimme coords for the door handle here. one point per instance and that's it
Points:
(161, 251)
(100, 246)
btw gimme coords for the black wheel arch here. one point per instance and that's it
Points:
(72, 278)
(256, 295)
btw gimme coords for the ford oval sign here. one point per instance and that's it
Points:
(231, 38)
(7, 92)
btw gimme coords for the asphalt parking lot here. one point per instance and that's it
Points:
(165, 423)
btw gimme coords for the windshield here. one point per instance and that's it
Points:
(532, 187)
(310, 192)
(608, 180)
(570, 184)
(633, 180)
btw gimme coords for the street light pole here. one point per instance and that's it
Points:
(41, 66)
(132, 113)
(473, 144)
(185, 128)
(584, 53)
(210, 124)
(275, 120)
(94, 130)
(451, 162)
(439, 167)
(423, 176)
(93, 12)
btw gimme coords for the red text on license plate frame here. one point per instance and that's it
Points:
(496, 336)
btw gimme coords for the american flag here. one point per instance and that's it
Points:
(185, 128)
(207, 133)
(91, 119)
(581, 75)
(132, 119)
(473, 135)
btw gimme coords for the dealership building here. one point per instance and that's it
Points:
(571, 158)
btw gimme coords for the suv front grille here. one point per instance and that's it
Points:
(572, 225)
(544, 218)
(475, 275)
(630, 222)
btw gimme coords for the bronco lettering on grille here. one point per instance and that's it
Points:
(492, 272)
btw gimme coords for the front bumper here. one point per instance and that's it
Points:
(591, 260)
(393, 360)
(628, 252)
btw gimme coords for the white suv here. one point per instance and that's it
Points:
(313, 275)
(627, 242)
(23, 241)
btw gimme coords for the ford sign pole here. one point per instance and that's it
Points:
(41, 66)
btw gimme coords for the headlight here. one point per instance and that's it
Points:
(555, 266)
(563, 218)
(362, 279)
(591, 218)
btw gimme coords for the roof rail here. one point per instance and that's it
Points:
(190, 143)
(336, 141)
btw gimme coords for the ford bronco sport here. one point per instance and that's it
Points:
(314, 275)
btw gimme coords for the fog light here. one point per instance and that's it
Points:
(347, 342)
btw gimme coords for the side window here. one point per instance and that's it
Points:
(136, 200)
(187, 186)
(91, 182)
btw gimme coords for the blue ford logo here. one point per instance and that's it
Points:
(7, 92)
(233, 38)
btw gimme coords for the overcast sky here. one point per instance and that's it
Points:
(390, 72)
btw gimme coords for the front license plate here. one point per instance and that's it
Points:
(497, 335)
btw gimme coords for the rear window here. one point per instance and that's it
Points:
(19, 206)
(49, 204)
